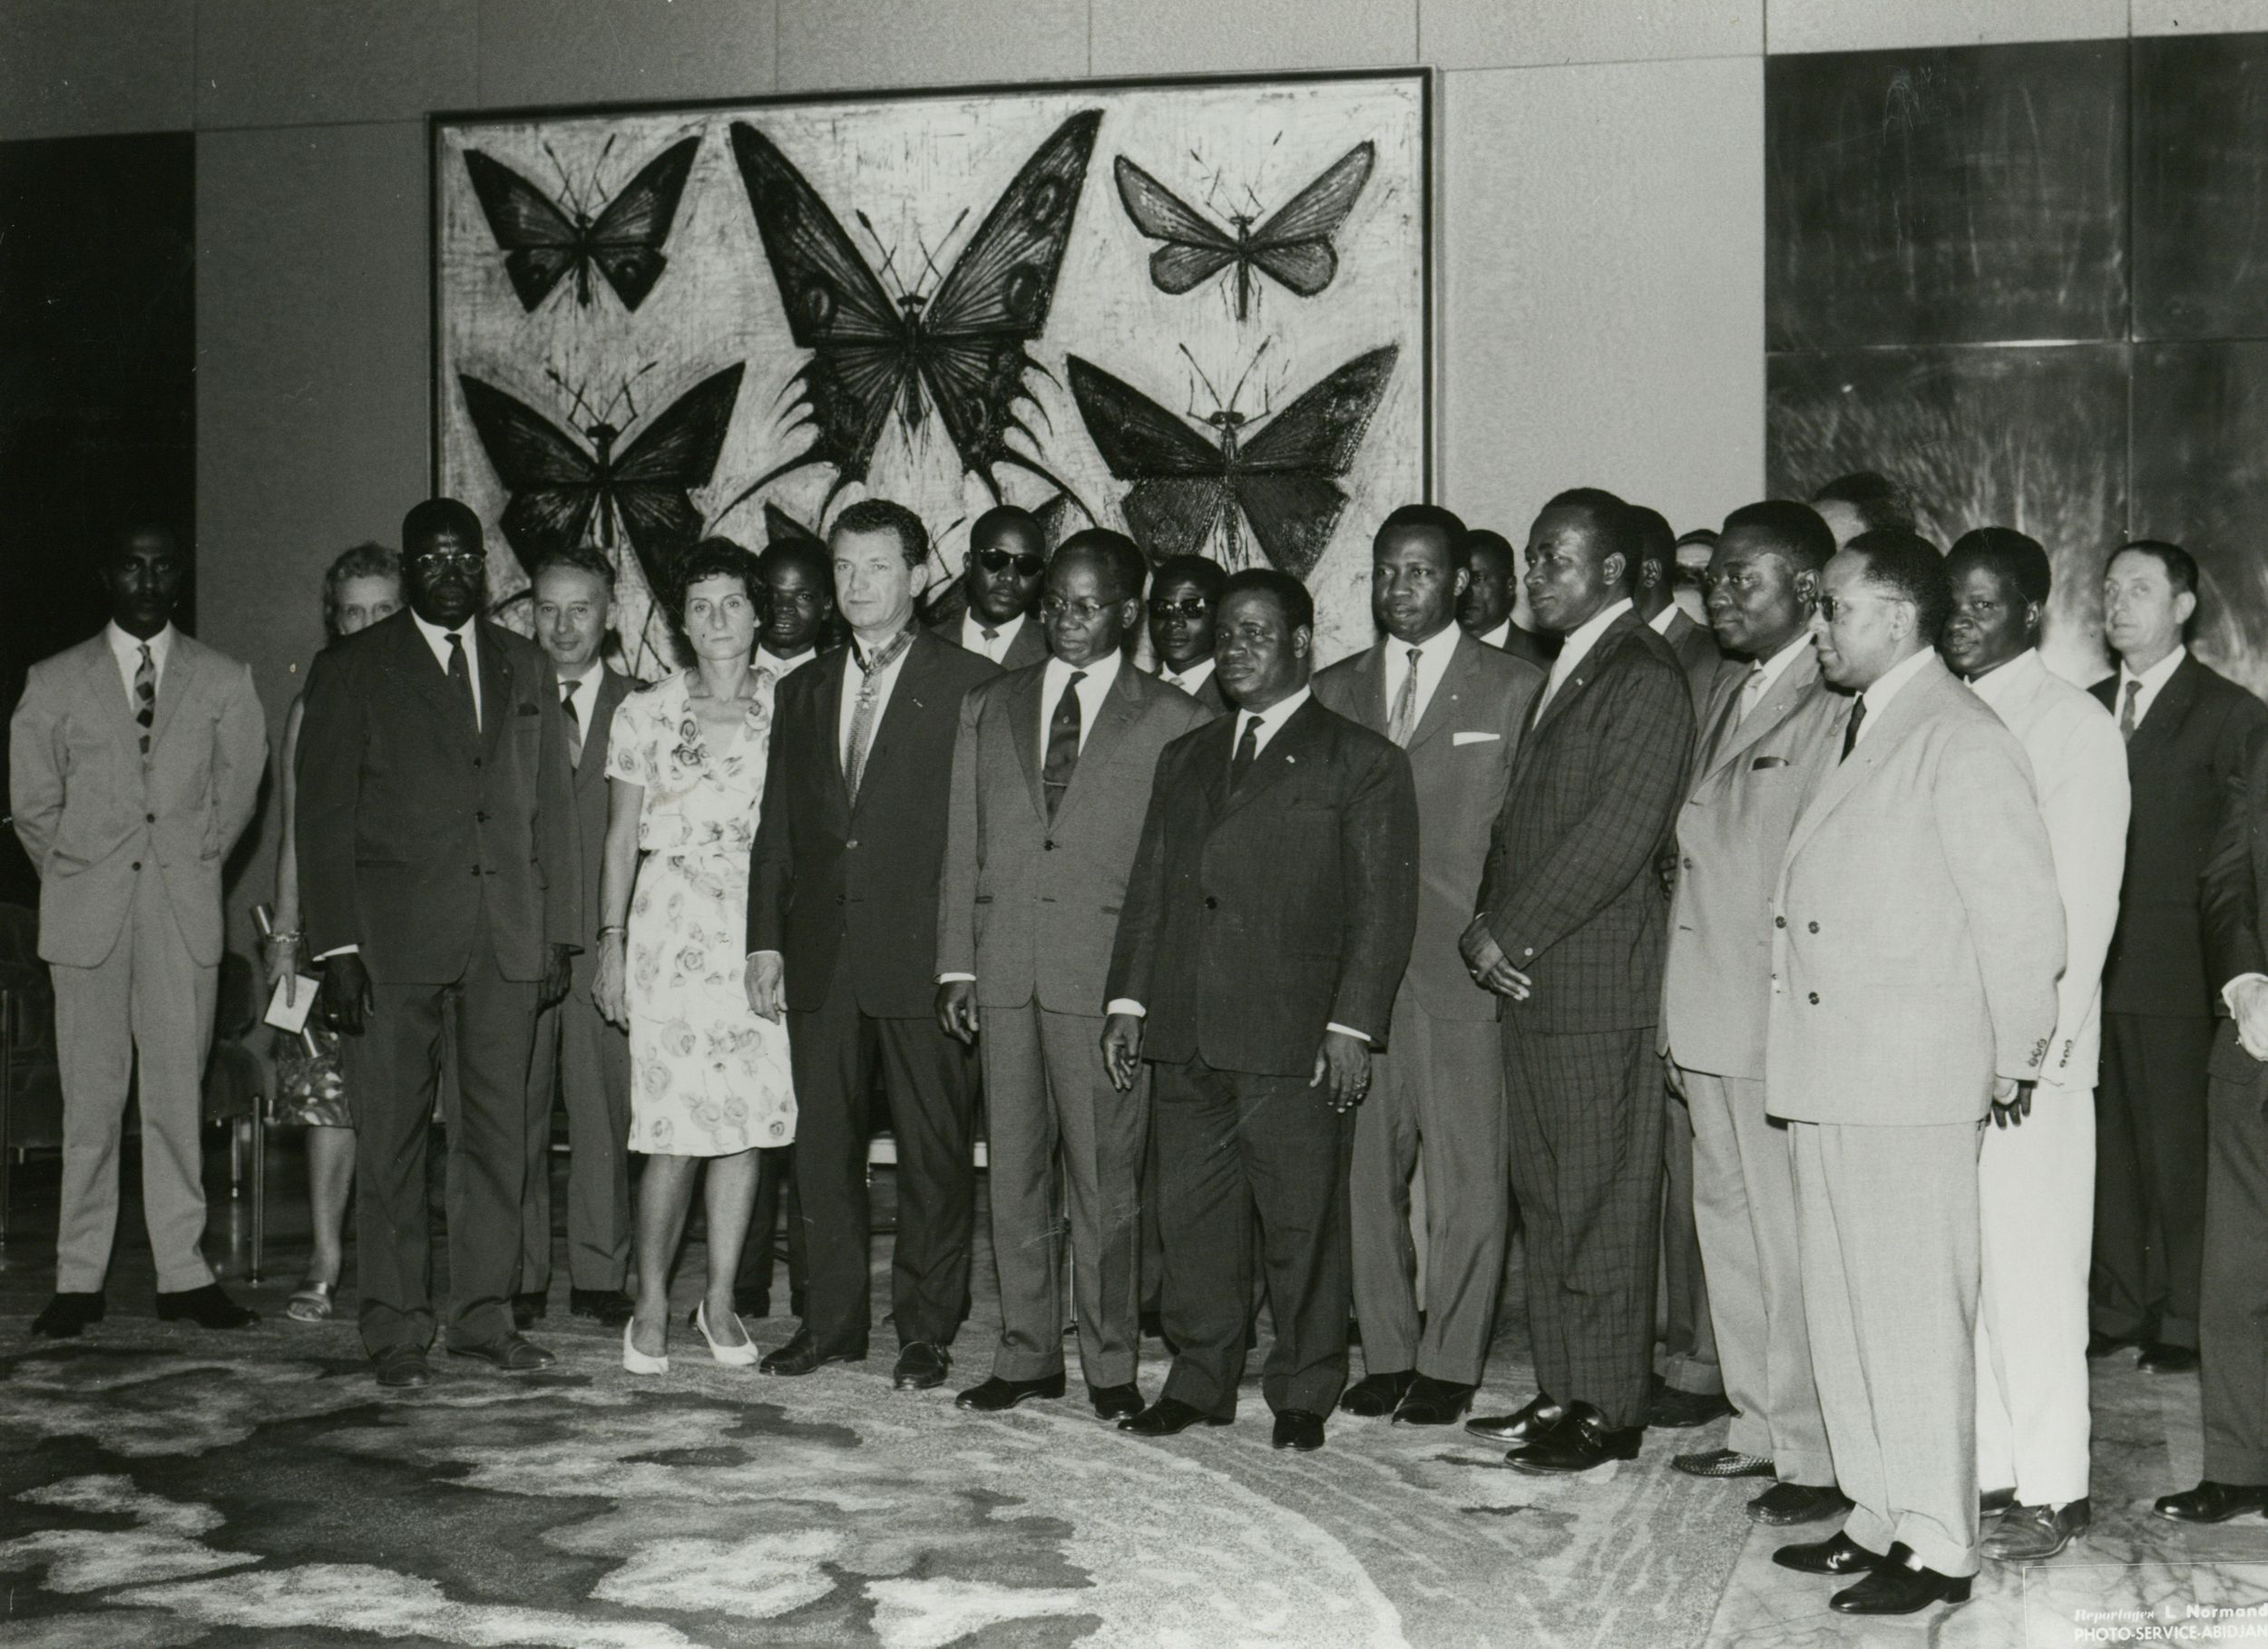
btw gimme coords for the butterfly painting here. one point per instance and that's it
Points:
(1283, 479)
(543, 244)
(1292, 248)
(962, 348)
(563, 494)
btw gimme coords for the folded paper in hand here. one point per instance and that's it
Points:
(294, 1018)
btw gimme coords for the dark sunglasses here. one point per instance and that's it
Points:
(1188, 607)
(1028, 566)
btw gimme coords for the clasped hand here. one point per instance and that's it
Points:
(1491, 969)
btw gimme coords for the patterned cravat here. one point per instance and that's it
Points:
(2127, 719)
(460, 679)
(1403, 723)
(1247, 752)
(862, 733)
(1851, 727)
(1063, 758)
(575, 723)
(146, 695)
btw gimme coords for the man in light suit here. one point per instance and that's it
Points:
(1000, 586)
(1052, 770)
(1456, 708)
(578, 1057)
(1267, 920)
(1568, 931)
(1184, 605)
(1767, 734)
(134, 764)
(1917, 934)
(2036, 1178)
(1488, 611)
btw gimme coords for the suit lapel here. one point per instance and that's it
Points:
(413, 663)
(1276, 758)
(1778, 702)
(599, 736)
(1585, 673)
(496, 698)
(1024, 727)
(1120, 706)
(828, 704)
(1897, 724)
(105, 687)
(1440, 710)
(905, 704)
(179, 673)
(2167, 714)
(1370, 709)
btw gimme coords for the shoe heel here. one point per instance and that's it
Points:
(1957, 1592)
(732, 1356)
(635, 1362)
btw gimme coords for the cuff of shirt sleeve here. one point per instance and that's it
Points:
(2228, 991)
(957, 978)
(1125, 1005)
(1348, 1031)
(340, 950)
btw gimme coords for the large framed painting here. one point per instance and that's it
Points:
(1196, 311)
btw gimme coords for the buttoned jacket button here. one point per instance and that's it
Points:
(1211, 903)
(1814, 926)
(1814, 999)
(1779, 922)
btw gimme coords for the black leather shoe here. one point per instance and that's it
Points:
(607, 1307)
(1723, 1463)
(996, 1395)
(1676, 1411)
(1900, 1586)
(2211, 1502)
(1116, 1402)
(2033, 1534)
(510, 1353)
(1582, 1441)
(922, 1364)
(1433, 1402)
(2103, 1345)
(1838, 1554)
(207, 1307)
(402, 1368)
(1168, 1416)
(2159, 1358)
(801, 1354)
(1300, 1429)
(1376, 1396)
(1525, 1426)
(529, 1309)
(69, 1314)
(1785, 1504)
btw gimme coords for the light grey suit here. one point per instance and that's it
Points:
(1029, 908)
(1750, 775)
(1917, 937)
(129, 849)
(1437, 1090)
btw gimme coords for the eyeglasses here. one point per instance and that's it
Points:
(448, 558)
(1083, 609)
(1028, 566)
(1192, 608)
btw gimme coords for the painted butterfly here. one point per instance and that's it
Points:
(1293, 247)
(624, 241)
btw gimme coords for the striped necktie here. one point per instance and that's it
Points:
(574, 724)
(146, 695)
(2127, 719)
(1403, 722)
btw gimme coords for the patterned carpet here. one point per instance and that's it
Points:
(163, 1486)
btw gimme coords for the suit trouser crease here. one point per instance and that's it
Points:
(1436, 1114)
(2036, 1212)
(147, 1007)
(2150, 1176)
(583, 1062)
(2233, 1359)
(1891, 1302)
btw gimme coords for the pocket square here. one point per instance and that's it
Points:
(529, 709)
(1767, 761)
(1475, 738)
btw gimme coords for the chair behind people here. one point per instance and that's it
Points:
(31, 1081)
(240, 1089)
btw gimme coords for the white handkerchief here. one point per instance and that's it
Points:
(1475, 738)
(293, 1018)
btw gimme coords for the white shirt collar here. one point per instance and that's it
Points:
(1995, 685)
(1582, 639)
(767, 659)
(2156, 676)
(437, 637)
(1004, 635)
(1892, 682)
(1100, 674)
(1771, 669)
(1433, 651)
(1270, 721)
(1661, 621)
(1497, 636)
(1190, 679)
(127, 649)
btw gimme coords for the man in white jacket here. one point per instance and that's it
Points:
(2037, 1172)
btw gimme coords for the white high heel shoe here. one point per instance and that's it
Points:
(731, 1356)
(636, 1361)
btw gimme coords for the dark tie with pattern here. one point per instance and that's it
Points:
(2127, 719)
(575, 723)
(1055, 776)
(1247, 752)
(460, 679)
(146, 695)
(1851, 727)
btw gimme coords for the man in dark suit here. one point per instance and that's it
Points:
(441, 889)
(1000, 589)
(1268, 922)
(1487, 610)
(2189, 735)
(1570, 931)
(1052, 771)
(579, 1059)
(1456, 708)
(1184, 603)
(843, 937)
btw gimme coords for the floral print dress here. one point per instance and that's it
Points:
(708, 1078)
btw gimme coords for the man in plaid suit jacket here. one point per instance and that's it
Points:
(1570, 934)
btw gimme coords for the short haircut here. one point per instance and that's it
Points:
(124, 530)
(1910, 566)
(1612, 520)
(1697, 535)
(1656, 543)
(808, 553)
(1486, 541)
(1209, 575)
(1286, 591)
(439, 518)
(583, 558)
(2181, 567)
(712, 558)
(1004, 521)
(372, 560)
(2014, 557)
(1431, 518)
(1119, 560)
(1879, 500)
(1794, 529)
(885, 515)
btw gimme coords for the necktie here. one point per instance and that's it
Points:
(146, 695)
(1063, 758)
(1851, 727)
(2127, 719)
(1247, 752)
(574, 724)
(992, 642)
(862, 715)
(1751, 690)
(460, 679)
(1403, 723)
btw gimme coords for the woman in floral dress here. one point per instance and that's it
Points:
(708, 1080)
